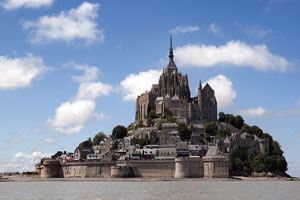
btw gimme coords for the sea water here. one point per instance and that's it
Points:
(101, 190)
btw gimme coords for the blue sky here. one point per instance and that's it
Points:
(69, 69)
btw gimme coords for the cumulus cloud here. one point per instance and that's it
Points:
(78, 23)
(93, 90)
(20, 72)
(232, 53)
(184, 29)
(90, 73)
(70, 116)
(21, 162)
(16, 4)
(224, 90)
(253, 112)
(136, 84)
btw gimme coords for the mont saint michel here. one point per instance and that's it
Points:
(149, 99)
(174, 135)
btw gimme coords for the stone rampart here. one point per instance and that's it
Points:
(178, 168)
(153, 168)
(87, 169)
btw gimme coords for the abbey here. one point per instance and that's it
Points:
(173, 93)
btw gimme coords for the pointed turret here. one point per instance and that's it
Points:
(200, 85)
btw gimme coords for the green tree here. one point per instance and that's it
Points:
(253, 130)
(275, 149)
(141, 141)
(87, 143)
(274, 162)
(221, 117)
(211, 128)
(222, 133)
(206, 136)
(245, 128)
(152, 114)
(139, 125)
(240, 161)
(144, 141)
(169, 116)
(239, 121)
(98, 138)
(230, 119)
(267, 135)
(168, 112)
(119, 132)
(184, 132)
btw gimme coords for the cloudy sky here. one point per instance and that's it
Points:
(69, 69)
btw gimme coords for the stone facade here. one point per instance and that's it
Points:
(173, 93)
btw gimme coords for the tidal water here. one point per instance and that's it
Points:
(101, 190)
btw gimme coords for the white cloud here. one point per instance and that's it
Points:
(48, 141)
(15, 4)
(253, 112)
(297, 133)
(184, 29)
(79, 23)
(224, 91)
(136, 84)
(21, 162)
(214, 29)
(298, 102)
(232, 53)
(70, 116)
(93, 90)
(19, 72)
(257, 31)
(90, 73)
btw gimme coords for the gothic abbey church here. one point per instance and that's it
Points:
(173, 93)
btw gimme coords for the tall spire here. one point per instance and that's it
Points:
(171, 65)
(171, 48)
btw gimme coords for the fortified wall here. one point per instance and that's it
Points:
(176, 168)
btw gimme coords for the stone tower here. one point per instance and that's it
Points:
(173, 93)
(171, 82)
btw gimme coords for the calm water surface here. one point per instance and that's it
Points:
(100, 190)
